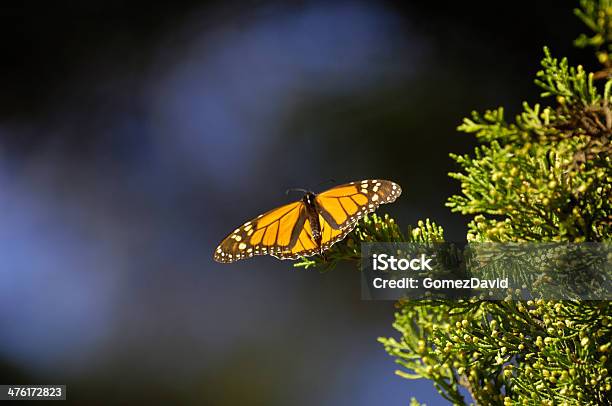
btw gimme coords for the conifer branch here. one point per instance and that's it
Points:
(544, 176)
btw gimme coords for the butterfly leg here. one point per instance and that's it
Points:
(323, 254)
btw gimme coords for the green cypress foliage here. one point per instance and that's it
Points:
(544, 176)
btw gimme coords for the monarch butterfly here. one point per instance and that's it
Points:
(310, 225)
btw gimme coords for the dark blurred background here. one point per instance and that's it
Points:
(133, 138)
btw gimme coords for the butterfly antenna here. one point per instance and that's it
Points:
(331, 181)
(295, 190)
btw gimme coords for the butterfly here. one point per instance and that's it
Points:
(308, 226)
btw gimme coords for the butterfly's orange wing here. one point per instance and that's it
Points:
(284, 233)
(341, 207)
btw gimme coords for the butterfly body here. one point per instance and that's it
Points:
(313, 216)
(309, 226)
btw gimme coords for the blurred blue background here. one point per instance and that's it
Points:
(133, 139)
